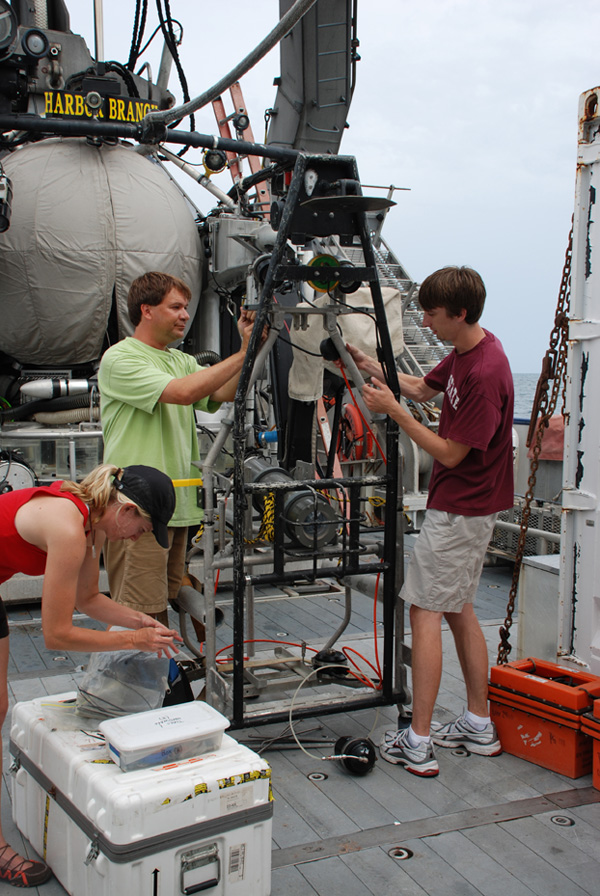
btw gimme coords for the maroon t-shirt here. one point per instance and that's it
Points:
(477, 411)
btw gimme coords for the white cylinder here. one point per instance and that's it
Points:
(50, 388)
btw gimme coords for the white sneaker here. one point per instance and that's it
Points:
(460, 733)
(419, 760)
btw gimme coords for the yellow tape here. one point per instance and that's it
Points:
(181, 483)
(46, 815)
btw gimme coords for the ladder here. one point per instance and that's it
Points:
(241, 122)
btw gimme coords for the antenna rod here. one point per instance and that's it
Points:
(99, 29)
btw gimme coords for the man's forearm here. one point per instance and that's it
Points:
(447, 452)
(209, 382)
(414, 387)
(227, 391)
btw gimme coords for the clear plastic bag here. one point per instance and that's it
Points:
(121, 682)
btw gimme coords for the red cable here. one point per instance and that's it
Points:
(347, 651)
(263, 641)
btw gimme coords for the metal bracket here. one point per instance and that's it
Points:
(198, 858)
(578, 500)
(93, 853)
(580, 330)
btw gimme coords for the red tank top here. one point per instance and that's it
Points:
(16, 554)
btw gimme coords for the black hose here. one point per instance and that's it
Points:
(45, 127)
(248, 182)
(138, 33)
(63, 403)
(130, 84)
(207, 358)
(166, 24)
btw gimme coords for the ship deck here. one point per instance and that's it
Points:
(484, 827)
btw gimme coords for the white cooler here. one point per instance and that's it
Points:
(202, 824)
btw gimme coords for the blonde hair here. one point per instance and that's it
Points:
(98, 489)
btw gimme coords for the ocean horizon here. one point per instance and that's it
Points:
(525, 386)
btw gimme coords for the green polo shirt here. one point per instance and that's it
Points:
(138, 429)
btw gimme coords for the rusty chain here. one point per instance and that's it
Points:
(554, 368)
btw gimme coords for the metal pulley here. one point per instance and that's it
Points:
(14, 476)
(308, 518)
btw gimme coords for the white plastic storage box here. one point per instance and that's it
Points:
(163, 735)
(201, 824)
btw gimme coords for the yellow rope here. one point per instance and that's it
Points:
(267, 526)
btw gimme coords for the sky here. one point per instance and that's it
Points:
(472, 105)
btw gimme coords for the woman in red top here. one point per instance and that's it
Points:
(58, 531)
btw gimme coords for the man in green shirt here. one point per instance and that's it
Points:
(149, 393)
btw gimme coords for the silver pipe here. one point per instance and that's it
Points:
(534, 533)
(226, 562)
(202, 179)
(262, 356)
(72, 460)
(164, 71)
(345, 621)
(41, 432)
(208, 471)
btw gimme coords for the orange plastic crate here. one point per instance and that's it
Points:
(553, 684)
(537, 707)
(590, 725)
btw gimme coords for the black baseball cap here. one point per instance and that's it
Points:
(153, 492)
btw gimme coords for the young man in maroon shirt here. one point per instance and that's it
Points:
(472, 479)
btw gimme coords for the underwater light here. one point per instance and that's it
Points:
(8, 27)
(241, 122)
(35, 43)
(214, 160)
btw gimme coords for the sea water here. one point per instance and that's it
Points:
(525, 385)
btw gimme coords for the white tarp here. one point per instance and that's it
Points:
(85, 221)
(306, 374)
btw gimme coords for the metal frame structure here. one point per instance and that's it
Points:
(344, 213)
(348, 555)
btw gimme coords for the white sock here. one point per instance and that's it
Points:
(478, 722)
(415, 739)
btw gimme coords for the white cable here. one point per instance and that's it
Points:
(302, 683)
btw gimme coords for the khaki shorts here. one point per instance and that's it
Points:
(445, 567)
(141, 574)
